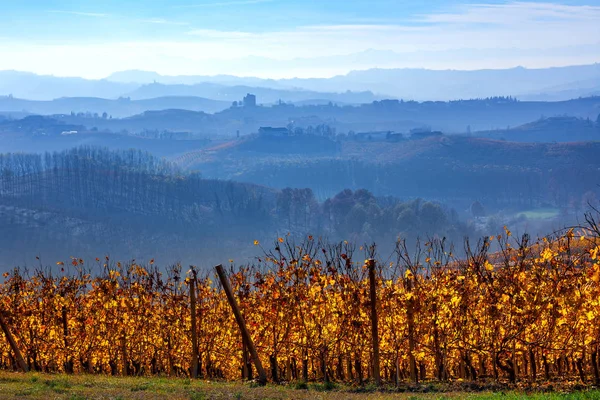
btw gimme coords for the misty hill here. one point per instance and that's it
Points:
(124, 183)
(560, 83)
(455, 170)
(37, 125)
(387, 115)
(23, 85)
(553, 129)
(392, 115)
(40, 134)
(170, 120)
(122, 107)
(574, 89)
(236, 93)
(422, 84)
(147, 77)
(27, 85)
(305, 144)
(91, 200)
(88, 201)
(548, 84)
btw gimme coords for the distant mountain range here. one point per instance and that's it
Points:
(560, 83)
(122, 107)
(549, 84)
(265, 95)
(129, 106)
(422, 85)
(30, 86)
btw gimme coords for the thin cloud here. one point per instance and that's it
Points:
(157, 21)
(216, 34)
(226, 3)
(357, 28)
(160, 21)
(511, 13)
(80, 13)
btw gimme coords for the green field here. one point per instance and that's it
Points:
(46, 386)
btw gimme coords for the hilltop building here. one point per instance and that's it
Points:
(273, 132)
(378, 136)
(250, 100)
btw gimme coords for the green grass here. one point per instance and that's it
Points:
(540, 213)
(79, 387)
(591, 395)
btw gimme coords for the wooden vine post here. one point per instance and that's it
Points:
(194, 369)
(374, 321)
(410, 319)
(262, 375)
(12, 343)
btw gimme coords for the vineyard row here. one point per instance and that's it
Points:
(529, 310)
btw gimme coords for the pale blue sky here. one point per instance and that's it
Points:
(95, 38)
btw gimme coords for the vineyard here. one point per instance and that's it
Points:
(527, 311)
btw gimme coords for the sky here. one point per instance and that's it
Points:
(293, 38)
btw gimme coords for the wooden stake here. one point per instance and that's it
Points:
(374, 322)
(124, 354)
(245, 361)
(12, 343)
(262, 375)
(194, 369)
(410, 319)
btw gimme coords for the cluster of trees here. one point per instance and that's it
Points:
(90, 201)
(363, 217)
(318, 130)
(98, 183)
(488, 100)
(89, 114)
(361, 212)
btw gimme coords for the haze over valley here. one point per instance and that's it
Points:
(193, 140)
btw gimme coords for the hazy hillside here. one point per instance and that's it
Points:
(172, 132)
(571, 90)
(561, 83)
(453, 169)
(236, 93)
(27, 85)
(548, 84)
(89, 202)
(422, 84)
(122, 107)
(40, 134)
(301, 145)
(553, 129)
(450, 117)
(147, 77)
